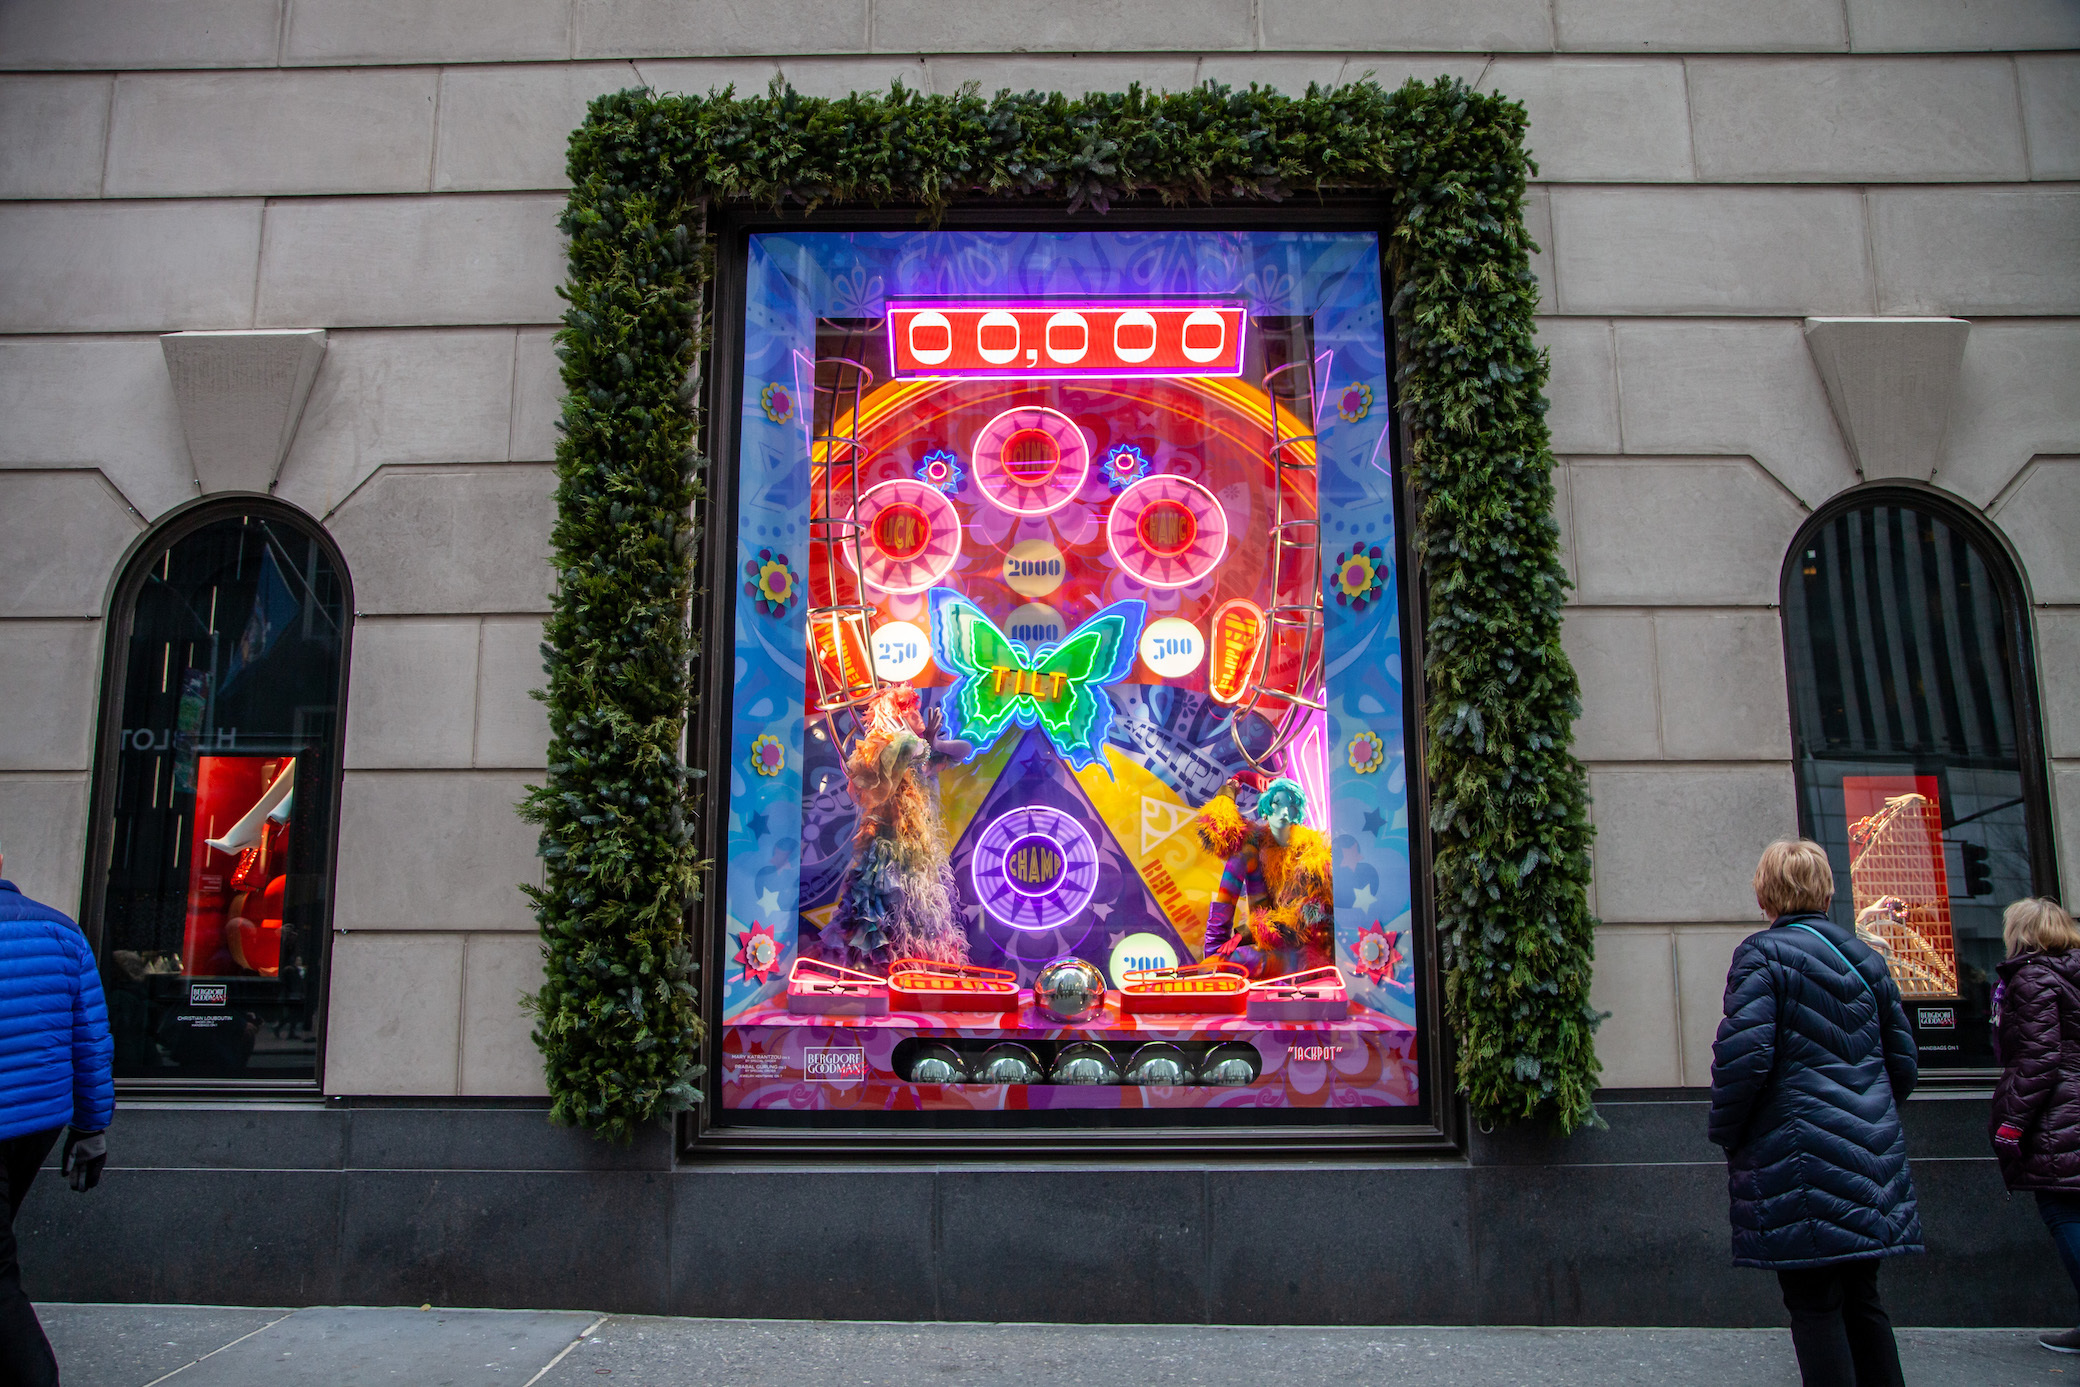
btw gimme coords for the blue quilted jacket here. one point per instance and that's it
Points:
(54, 1046)
(1812, 1062)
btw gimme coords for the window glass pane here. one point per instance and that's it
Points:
(1057, 554)
(1904, 691)
(214, 907)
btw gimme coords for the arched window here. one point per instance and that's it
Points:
(1919, 754)
(210, 881)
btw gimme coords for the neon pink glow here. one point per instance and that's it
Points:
(1059, 339)
(1200, 555)
(1307, 761)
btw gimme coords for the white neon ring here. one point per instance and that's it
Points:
(1005, 492)
(1198, 560)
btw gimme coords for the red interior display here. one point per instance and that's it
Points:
(236, 886)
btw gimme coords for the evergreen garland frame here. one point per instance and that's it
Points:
(617, 1016)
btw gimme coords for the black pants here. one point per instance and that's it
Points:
(25, 1355)
(1842, 1334)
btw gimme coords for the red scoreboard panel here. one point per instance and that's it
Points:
(1018, 342)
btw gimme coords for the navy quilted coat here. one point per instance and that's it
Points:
(1810, 1067)
(54, 1046)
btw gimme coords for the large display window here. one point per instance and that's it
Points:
(1920, 763)
(1067, 756)
(211, 886)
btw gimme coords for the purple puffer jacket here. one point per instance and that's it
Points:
(2035, 1124)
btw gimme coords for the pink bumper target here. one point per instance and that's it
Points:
(1031, 461)
(1167, 532)
(912, 534)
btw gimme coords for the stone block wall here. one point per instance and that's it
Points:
(390, 170)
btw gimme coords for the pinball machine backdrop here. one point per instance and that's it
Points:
(1067, 746)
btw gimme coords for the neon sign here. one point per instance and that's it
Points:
(1238, 633)
(1034, 867)
(1062, 689)
(1056, 340)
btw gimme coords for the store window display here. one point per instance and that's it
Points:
(1067, 756)
(212, 883)
(1919, 755)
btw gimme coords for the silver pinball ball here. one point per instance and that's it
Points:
(937, 1064)
(1008, 1064)
(1070, 989)
(1159, 1065)
(1230, 1066)
(1085, 1062)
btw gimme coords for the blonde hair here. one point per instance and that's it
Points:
(2038, 924)
(1793, 876)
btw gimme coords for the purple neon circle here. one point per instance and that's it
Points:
(1014, 902)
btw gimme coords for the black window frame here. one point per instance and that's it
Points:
(1443, 1125)
(2031, 748)
(119, 621)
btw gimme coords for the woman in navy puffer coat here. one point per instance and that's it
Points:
(1813, 1059)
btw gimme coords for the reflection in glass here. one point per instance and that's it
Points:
(1904, 685)
(215, 900)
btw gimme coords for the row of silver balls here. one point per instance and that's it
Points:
(1158, 1064)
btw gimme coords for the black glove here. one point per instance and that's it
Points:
(84, 1155)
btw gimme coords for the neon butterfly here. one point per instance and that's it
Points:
(1061, 689)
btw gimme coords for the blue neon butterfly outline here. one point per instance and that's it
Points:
(1077, 714)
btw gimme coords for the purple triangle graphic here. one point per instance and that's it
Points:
(1120, 904)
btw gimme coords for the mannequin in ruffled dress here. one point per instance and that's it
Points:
(898, 899)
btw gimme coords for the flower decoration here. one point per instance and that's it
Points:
(1123, 466)
(943, 470)
(1360, 574)
(1377, 952)
(773, 585)
(778, 404)
(1355, 403)
(1367, 753)
(759, 952)
(767, 755)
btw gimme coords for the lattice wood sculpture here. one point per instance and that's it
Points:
(1902, 894)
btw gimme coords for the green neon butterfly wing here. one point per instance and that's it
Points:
(968, 644)
(1097, 653)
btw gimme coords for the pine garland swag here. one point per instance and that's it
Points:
(616, 1017)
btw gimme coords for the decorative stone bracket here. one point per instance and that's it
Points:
(241, 396)
(1890, 381)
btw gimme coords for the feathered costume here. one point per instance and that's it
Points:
(1287, 916)
(898, 897)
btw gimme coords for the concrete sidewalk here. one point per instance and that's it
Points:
(206, 1346)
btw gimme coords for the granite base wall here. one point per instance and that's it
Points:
(391, 1203)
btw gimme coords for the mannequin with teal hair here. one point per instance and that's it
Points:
(1274, 911)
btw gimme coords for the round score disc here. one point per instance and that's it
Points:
(1031, 461)
(912, 534)
(1167, 532)
(1034, 867)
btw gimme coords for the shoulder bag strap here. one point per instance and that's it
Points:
(1838, 954)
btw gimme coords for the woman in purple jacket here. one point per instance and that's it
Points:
(2036, 1107)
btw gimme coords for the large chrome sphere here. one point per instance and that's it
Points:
(1070, 989)
(1159, 1064)
(1085, 1062)
(937, 1064)
(1009, 1064)
(1231, 1065)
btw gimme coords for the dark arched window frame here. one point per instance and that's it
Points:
(2016, 633)
(131, 575)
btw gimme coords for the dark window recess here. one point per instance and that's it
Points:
(1918, 757)
(216, 797)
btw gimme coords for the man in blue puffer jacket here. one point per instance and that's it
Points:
(54, 1071)
(1813, 1059)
